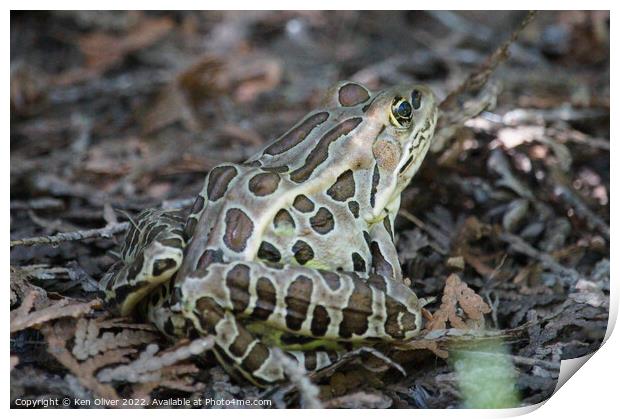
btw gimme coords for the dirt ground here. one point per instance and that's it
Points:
(506, 225)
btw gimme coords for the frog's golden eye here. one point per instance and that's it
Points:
(401, 113)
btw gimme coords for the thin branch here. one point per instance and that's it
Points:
(521, 246)
(105, 232)
(478, 78)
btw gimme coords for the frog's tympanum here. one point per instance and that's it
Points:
(293, 248)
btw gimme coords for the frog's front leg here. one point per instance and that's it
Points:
(384, 257)
(151, 254)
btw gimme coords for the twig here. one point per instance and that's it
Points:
(477, 84)
(433, 232)
(38, 204)
(478, 78)
(568, 196)
(105, 232)
(519, 245)
(308, 391)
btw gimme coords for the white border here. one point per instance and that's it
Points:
(593, 391)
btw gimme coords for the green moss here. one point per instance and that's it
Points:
(486, 376)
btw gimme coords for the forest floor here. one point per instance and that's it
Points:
(506, 225)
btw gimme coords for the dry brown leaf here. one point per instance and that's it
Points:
(170, 106)
(241, 77)
(21, 287)
(427, 344)
(22, 318)
(104, 51)
(458, 294)
(88, 341)
(153, 367)
(56, 337)
(205, 79)
(112, 349)
(29, 86)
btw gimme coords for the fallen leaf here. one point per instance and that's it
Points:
(104, 51)
(22, 318)
(458, 294)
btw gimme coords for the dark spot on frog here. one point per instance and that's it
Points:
(199, 204)
(376, 177)
(210, 256)
(190, 227)
(320, 321)
(354, 207)
(264, 184)
(266, 299)
(359, 308)
(331, 279)
(297, 301)
(392, 325)
(310, 361)
(219, 179)
(379, 264)
(239, 228)
(343, 188)
(359, 265)
(303, 252)
(352, 94)
(276, 169)
(174, 242)
(268, 252)
(297, 134)
(323, 221)
(378, 282)
(320, 152)
(388, 227)
(303, 204)
(238, 284)
(256, 358)
(136, 265)
(283, 219)
(367, 239)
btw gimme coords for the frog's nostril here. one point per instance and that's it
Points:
(416, 99)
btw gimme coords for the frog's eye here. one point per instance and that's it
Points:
(401, 113)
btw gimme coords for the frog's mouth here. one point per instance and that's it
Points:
(406, 165)
(415, 153)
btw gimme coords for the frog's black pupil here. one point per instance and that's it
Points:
(404, 110)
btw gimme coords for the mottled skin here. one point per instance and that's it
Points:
(293, 248)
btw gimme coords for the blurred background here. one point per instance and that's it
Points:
(125, 110)
(147, 97)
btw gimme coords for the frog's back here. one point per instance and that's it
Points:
(265, 215)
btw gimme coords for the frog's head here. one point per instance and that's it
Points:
(394, 128)
(399, 122)
(405, 116)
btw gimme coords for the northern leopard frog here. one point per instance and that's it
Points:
(293, 248)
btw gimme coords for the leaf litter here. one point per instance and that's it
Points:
(505, 230)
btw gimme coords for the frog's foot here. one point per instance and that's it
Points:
(243, 354)
(324, 306)
(151, 253)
